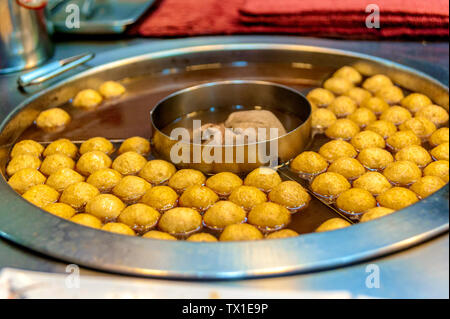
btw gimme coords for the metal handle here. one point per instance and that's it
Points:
(52, 69)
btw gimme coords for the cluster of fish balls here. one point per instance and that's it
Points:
(122, 192)
(377, 161)
(56, 119)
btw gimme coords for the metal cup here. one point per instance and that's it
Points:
(24, 38)
(233, 96)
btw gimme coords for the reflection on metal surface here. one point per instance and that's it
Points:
(98, 17)
(301, 65)
(200, 67)
(101, 250)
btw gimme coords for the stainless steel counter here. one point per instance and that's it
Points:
(422, 271)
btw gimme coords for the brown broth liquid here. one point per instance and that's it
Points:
(130, 116)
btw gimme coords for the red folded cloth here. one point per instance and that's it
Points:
(345, 19)
(404, 7)
(332, 18)
(172, 18)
